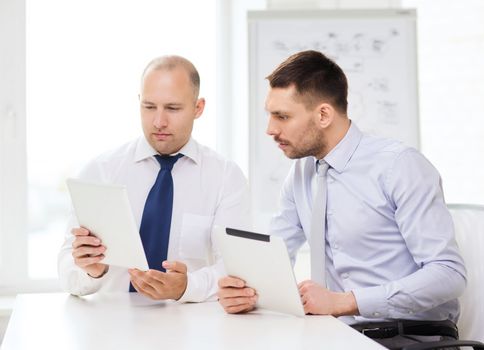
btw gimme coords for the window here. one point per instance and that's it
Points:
(12, 143)
(451, 75)
(84, 61)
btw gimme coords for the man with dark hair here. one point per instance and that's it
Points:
(383, 252)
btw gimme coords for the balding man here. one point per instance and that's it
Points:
(178, 189)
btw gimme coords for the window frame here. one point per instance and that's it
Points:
(13, 157)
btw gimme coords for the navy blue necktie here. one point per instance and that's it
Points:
(156, 220)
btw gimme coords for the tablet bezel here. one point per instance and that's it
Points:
(104, 209)
(262, 261)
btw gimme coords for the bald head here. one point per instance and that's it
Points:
(173, 62)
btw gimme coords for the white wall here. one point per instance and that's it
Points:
(451, 87)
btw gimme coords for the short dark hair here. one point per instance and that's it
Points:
(315, 77)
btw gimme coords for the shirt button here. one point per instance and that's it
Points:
(410, 312)
(345, 275)
(335, 246)
(376, 314)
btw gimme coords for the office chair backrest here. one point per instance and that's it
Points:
(469, 230)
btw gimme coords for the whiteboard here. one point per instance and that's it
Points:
(377, 51)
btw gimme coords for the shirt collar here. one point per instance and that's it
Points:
(145, 150)
(344, 150)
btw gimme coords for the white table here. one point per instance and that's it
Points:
(131, 321)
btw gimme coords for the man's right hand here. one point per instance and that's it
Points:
(234, 296)
(87, 252)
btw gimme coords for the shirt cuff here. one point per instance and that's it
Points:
(372, 302)
(80, 283)
(193, 293)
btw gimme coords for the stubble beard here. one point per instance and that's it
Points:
(312, 144)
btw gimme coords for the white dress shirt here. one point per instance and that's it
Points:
(208, 190)
(389, 236)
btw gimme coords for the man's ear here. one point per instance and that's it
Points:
(326, 114)
(199, 107)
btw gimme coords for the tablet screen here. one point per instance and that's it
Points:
(104, 210)
(262, 261)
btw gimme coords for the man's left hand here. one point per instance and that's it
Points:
(160, 285)
(318, 300)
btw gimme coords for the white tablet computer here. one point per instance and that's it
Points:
(263, 263)
(105, 211)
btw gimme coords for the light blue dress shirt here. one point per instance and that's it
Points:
(389, 236)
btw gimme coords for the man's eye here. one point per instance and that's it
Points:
(283, 117)
(149, 107)
(173, 108)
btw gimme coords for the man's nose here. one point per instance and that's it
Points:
(160, 121)
(272, 130)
